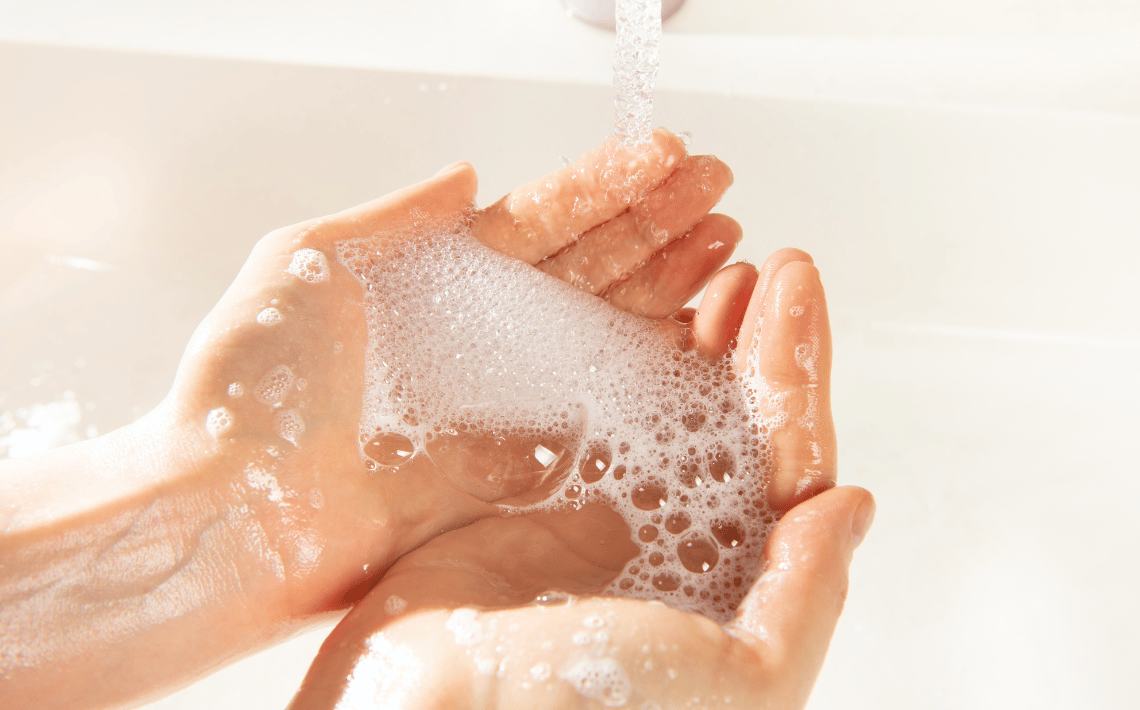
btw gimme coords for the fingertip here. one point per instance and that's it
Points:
(746, 266)
(715, 172)
(451, 168)
(727, 227)
(863, 518)
(670, 143)
(460, 174)
(769, 272)
(717, 321)
(800, 273)
(724, 172)
(790, 254)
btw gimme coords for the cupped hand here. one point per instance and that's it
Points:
(269, 391)
(596, 652)
(502, 565)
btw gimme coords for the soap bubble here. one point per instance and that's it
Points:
(309, 265)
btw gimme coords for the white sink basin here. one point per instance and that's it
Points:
(980, 266)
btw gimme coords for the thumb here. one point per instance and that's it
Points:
(794, 606)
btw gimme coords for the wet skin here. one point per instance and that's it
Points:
(138, 561)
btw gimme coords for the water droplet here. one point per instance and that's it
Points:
(554, 597)
(389, 449)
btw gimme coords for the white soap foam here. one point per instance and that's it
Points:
(274, 385)
(269, 316)
(474, 357)
(260, 479)
(219, 421)
(394, 605)
(635, 67)
(289, 425)
(309, 265)
(316, 499)
(540, 671)
(464, 625)
(601, 679)
(46, 426)
(235, 390)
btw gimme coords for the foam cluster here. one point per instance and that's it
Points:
(309, 265)
(635, 67)
(535, 395)
(269, 316)
(219, 421)
(601, 679)
(274, 385)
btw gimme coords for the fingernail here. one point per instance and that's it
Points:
(447, 169)
(861, 523)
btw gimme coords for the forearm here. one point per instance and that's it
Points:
(124, 570)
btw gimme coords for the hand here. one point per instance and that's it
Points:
(772, 652)
(605, 652)
(241, 507)
(335, 527)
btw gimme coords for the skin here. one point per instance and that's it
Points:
(136, 562)
(490, 573)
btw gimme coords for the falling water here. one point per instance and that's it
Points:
(635, 68)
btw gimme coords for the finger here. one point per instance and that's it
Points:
(790, 613)
(717, 320)
(752, 317)
(612, 251)
(676, 273)
(542, 217)
(445, 197)
(792, 356)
